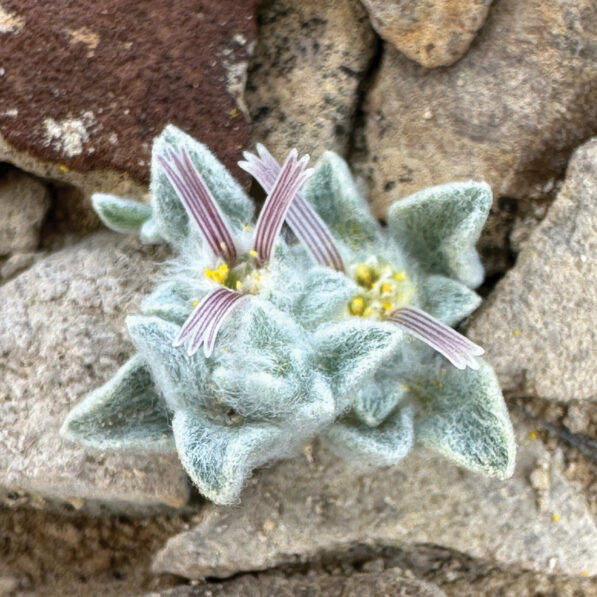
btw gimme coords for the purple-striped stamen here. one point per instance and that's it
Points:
(199, 202)
(460, 351)
(203, 324)
(291, 177)
(303, 220)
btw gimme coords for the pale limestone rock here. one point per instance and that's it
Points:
(305, 73)
(62, 334)
(430, 32)
(326, 505)
(538, 327)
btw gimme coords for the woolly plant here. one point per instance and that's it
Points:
(251, 345)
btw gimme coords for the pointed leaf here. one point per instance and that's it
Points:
(440, 225)
(172, 301)
(353, 349)
(333, 194)
(219, 458)
(317, 296)
(122, 215)
(448, 300)
(384, 445)
(126, 413)
(181, 379)
(169, 213)
(377, 398)
(464, 417)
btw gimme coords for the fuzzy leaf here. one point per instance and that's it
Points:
(126, 413)
(168, 212)
(320, 294)
(448, 300)
(333, 194)
(352, 350)
(172, 301)
(149, 233)
(219, 458)
(463, 416)
(122, 215)
(367, 446)
(181, 379)
(268, 372)
(440, 225)
(377, 398)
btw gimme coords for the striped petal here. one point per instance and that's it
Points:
(460, 351)
(198, 201)
(304, 221)
(203, 324)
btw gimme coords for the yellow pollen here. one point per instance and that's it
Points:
(400, 276)
(369, 312)
(386, 288)
(233, 113)
(533, 435)
(363, 275)
(555, 517)
(248, 228)
(195, 303)
(516, 333)
(405, 388)
(253, 253)
(357, 305)
(584, 573)
(63, 168)
(239, 285)
(218, 275)
(386, 305)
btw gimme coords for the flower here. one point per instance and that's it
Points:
(384, 290)
(235, 274)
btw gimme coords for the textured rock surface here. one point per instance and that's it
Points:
(87, 86)
(305, 73)
(61, 335)
(431, 32)
(307, 507)
(538, 327)
(389, 583)
(24, 202)
(509, 112)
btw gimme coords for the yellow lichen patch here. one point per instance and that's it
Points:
(218, 275)
(357, 305)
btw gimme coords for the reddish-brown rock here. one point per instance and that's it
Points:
(87, 85)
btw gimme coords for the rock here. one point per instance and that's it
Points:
(16, 263)
(387, 583)
(62, 334)
(432, 33)
(510, 112)
(305, 508)
(304, 76)
(538, 327)
(24, 202)
(85, 88)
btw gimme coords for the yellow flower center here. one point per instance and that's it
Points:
(382, 290)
